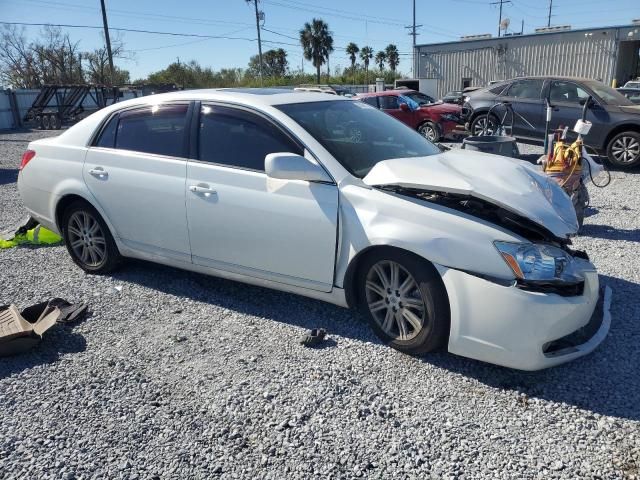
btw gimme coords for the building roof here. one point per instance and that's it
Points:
(536, 34)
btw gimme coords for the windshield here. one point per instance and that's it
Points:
(608, 95)
(358, 135)
(419, 98)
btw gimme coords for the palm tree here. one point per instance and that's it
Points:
(381, 57)
(393, 57)
(317, 43)
(366, 54)
(352, 49)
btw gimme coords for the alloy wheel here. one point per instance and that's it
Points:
(394, 300)
(626, 149)
(87, 239)
(483, 125)
(429, 132)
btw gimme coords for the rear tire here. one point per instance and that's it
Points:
(623, 150)
(404, 300)
(88, 239)
(46, 122)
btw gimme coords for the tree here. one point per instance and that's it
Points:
(54, 58)
(381, 57)
(97, 69)
(274, 64)
(317, 43)
(393, 57)
(352, 49)
(366, 54)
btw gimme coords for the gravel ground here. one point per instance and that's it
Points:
(178, 375)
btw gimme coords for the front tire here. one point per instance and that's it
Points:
(88, 239)
(624, 150)
(404, 300)
(483, 125)
(430, 131)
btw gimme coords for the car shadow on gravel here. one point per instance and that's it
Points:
(605, 382)
(57, 342)
(608, 232)
(8, 176)
(248, 299)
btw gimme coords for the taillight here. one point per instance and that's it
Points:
(26, 158)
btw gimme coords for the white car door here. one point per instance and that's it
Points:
(244, 222)
(136, 171)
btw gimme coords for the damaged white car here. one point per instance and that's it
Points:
(332, 199)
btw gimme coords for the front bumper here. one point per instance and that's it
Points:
(520, 329)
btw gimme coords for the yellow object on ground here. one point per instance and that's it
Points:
(36, 236)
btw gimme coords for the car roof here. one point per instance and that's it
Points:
(249, 96)
(543, 77)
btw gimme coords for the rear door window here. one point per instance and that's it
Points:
(237, 138)
(158, 129)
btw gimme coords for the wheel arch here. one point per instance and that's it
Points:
(351, 274)
(69, 198)
(624, 127)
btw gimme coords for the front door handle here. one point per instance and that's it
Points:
(202, 189)
(98, 172)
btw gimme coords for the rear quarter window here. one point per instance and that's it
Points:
(107, 136)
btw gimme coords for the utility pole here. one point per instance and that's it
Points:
(500, 2)
(413, 33)
(255, 3)
(550, 7)
(106, 37)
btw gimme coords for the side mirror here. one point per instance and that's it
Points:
(290, 166)
(404, 107)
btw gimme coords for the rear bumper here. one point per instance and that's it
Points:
(519, 329)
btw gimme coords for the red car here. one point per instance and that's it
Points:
(433, 120)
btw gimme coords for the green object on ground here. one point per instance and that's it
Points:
(35, 236)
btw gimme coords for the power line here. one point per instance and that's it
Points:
(500, 2)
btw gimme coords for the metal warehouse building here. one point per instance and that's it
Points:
(605, 54)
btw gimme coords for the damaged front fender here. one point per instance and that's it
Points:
(372, 217)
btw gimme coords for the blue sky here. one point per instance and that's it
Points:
(365, 22)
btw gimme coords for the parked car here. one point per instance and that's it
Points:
(332, 199)
(615, 119)
(632, 94)
(632, 84)
(434, 120)
(455, 96)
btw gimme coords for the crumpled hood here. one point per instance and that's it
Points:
(512, 184)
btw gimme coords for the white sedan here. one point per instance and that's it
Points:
(332, 199)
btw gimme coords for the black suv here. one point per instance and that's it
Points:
(616, 120)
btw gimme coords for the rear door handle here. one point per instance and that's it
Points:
(98, 172)
(202, 189)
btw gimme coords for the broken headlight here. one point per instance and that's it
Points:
(537, 263)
